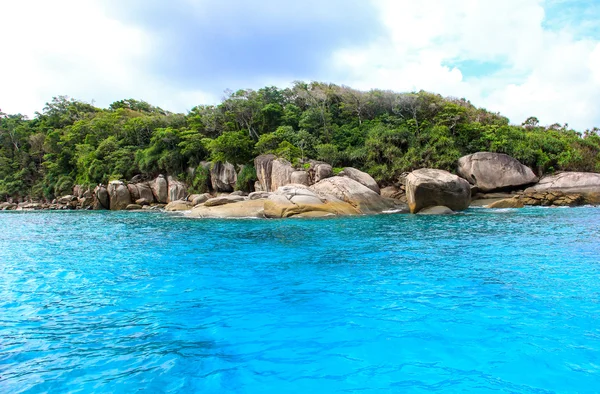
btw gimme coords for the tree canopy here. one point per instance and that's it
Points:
(381, 132)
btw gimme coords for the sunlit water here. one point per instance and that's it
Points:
(504, 300)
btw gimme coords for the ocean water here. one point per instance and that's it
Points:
(486, 301)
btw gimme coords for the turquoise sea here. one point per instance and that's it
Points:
(486, 301)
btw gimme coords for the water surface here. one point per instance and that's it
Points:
(491, 300)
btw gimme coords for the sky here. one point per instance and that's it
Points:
(518, 57)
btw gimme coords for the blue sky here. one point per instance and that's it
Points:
(517, 57)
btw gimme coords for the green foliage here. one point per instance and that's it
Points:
(234, 147)
(246, 178)
(381, 132)
(200, 182)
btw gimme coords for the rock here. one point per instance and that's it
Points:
(392, 192)
(239, 193)
(241, 209)
(299, 178)
(67, 199)
(507, 203)
(428, 187)
(179, 205)
(78, 191)
(494, 171)
(437, 210)
(258, 187)
(258, 195)
(133, 207)
(222, 200)
(118, 195)
(85, 202)
(200, 198)
(223, 177)
(281, 173)
(160, 189)
(322, 171)
(292, 200)
(264, 168)
(585, 183)
(356, 194)
(360, 177)
(177, 190)
(143, 201)
(101, 198)
(7, 206)
(133, 191)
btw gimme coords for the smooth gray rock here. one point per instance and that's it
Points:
(264, 168)
(428, 187)
(119, 195)
(160, 189)
(223, 177)
(437, 210)
(356, 194)
(360, 177)
(300, 178)
(494, 171)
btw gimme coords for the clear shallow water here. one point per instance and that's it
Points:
(503, 300)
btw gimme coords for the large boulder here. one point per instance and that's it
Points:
(264, 167)
(196, 199)
(281, 173)
(177, 190)
(494, 171)
(356, 194)
(428, 187)
(160, 189)
(140, 191)
(241, 209)
(119, 195)
(320, 171)
(223, 177)
(293, 200)
(585, 183)
(300, 178)
(360, 177)
(101, 198)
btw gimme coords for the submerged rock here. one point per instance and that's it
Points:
(437, 210)
(428, 187)
(494, 171)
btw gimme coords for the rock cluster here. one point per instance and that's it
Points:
(545, 199)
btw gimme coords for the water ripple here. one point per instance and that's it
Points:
(491, 300)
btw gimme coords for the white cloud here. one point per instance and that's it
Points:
(74, 48)
(548, 74)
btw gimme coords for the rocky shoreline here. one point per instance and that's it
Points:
(485, 179)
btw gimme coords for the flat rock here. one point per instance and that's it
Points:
(241, 209)
(179, 205)
(222, 200)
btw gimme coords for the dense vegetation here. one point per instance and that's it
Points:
(382, 132)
